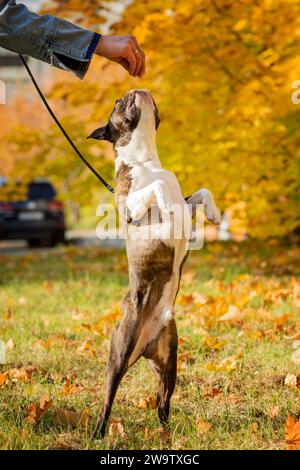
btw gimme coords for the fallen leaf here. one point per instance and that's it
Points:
(45, 402)
(203, 426)
(31, 418)
(65, 417)
(200, 299)
(116, 428)
(42, 343)
(10, 345)
(295, 357)
(212, 392)
(67, 441)
(86, 346)
(37, 411)
(232, 398)
(148, 402)
(22, 301)
(212, 343)
(273, 411)
(147, 433)
(256, 335)
(188, 276)
(8, 315)
(24, 374)
(184, 359)
(47, 285)
(280, 321)
(233, 313)
(20, 375)
(292, 433)
(296, 344)
(291, 380)
(69, 388)
(85, 418)
(226, 365)
(186, 299)
(3, 379)
(163, 434)
(254, 428)
(2, 352)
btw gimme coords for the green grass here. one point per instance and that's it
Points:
(73, 295)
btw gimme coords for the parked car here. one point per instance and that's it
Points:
(39, 219)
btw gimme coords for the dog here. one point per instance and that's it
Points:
(155, 264)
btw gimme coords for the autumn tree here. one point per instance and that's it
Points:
(221, 74)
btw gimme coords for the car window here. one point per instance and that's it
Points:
(40, 191)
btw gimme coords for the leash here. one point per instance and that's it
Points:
(76, 150)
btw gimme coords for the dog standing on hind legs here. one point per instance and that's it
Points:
(155, 262)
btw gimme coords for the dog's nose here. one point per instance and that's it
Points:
(143, 92)
(142, 96)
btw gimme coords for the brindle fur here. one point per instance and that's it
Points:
(123, 180)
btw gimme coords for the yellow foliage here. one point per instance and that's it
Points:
(221, 73)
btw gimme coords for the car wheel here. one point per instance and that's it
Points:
(58, 237)
(34, 243)
(40, 243)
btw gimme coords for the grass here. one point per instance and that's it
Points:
(59, 309)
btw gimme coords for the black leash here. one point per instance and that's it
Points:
(62, 128)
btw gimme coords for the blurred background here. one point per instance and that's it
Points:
(221, 73)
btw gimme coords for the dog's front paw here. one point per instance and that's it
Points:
(137, 212)
(211, 211)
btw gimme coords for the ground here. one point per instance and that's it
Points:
(238, 315)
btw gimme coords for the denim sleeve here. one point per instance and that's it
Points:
(55, 41)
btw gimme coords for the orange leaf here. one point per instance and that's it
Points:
(67, 387)
(203, 426)
(186, 299)
(21, 374)
(37, 411)
(45, 402)
(116, 428)
(254, 427)
(42, 343)
(292, 433)
(65, 417)
(291, 380)
(86, 346)
(10, 345)
(148, 402)
(84, 419)
(3, 379)
(273, 411)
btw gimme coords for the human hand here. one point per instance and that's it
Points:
(125, 50)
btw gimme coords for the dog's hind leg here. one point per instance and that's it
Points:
(122, 344)
(162, 355)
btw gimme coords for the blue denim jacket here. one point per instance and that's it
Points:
(53, 40)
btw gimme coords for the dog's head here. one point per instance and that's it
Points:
(137, 111)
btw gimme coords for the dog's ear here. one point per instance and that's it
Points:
(102, 133)
(157, 118)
